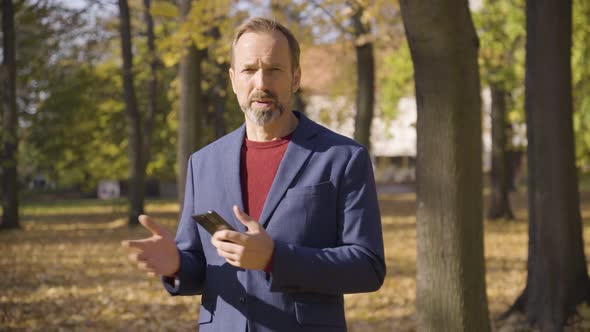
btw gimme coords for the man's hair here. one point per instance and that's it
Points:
(263, 24)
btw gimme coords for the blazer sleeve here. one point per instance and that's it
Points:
(357, 264)
(191, 275)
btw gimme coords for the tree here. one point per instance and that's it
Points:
(215, 95)
(451, 291)
(77, 145)
(501, 29)
(64, 128)
(360, 23)
(397, 79)
(10, 218)
(136, 161)
(219, 93)
(356, 21)
(73, 132)
(581, 83)
(557, 278)
(152, 105)
(500, 173)
(365, 93)
(191, 112)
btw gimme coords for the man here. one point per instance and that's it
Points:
(301, 198)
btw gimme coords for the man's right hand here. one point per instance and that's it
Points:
(156, 254)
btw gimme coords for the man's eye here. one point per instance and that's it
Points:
(248, 70)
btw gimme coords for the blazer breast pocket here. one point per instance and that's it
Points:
(317, 189)
(315, 207)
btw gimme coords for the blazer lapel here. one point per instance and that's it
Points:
(297, 153)
(230, 161)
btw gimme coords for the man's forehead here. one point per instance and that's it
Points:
(259, 43)
(274, 38)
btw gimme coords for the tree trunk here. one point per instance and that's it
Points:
(190, 114)
(365, 80)
(450, 287)
(557, 277)
(500, 175)
(219, 89)
(219, 98)
(136, 170)
(152, 105)
(9, 136)
(299, 102)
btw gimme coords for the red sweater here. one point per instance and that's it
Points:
(259, 163)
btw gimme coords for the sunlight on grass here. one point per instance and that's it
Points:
(67, 271)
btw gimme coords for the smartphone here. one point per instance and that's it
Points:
(212, 222)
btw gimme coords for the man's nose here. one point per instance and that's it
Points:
(261, 80)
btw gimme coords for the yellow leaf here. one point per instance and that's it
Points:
(164, 9)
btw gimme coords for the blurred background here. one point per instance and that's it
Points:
(103, 101)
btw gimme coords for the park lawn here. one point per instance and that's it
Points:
(67, 271)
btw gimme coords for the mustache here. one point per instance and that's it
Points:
(266, 95)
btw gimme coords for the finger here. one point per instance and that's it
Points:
(241, 215)
(227, 255)
(245, 219)
(143, 266)
(226, 246)
(150, 267)
(230, 236)
(233, 262)
(142, 256)
(137, 244)
(138, 256)
(151, 225)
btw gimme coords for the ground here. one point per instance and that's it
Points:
(66, 271)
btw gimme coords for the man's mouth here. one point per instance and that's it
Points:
(262, 102)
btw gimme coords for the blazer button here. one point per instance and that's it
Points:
(242, 299)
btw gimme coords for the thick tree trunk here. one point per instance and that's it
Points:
(152, 105)
(9, 135)
(500, 175)
(136, 162)
(451, 291)
(365, 95)
(557, 277)
(190, 114)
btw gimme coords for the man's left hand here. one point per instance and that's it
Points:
(251, 250)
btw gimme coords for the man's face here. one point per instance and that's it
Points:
(261, 75)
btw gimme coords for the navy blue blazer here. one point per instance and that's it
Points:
(323, 215)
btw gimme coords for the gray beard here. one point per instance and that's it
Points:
(263, 117)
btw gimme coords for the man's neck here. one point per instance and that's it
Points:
(279, 128)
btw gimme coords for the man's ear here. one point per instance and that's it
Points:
(231, 78)
(296, 80)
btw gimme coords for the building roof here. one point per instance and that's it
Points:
(323, 65)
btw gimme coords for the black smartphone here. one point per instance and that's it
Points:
(212, 222)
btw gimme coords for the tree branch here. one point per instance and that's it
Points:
(338, 24)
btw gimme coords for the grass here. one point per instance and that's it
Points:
(66, 270)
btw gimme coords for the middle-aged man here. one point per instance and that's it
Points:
(302, 199)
